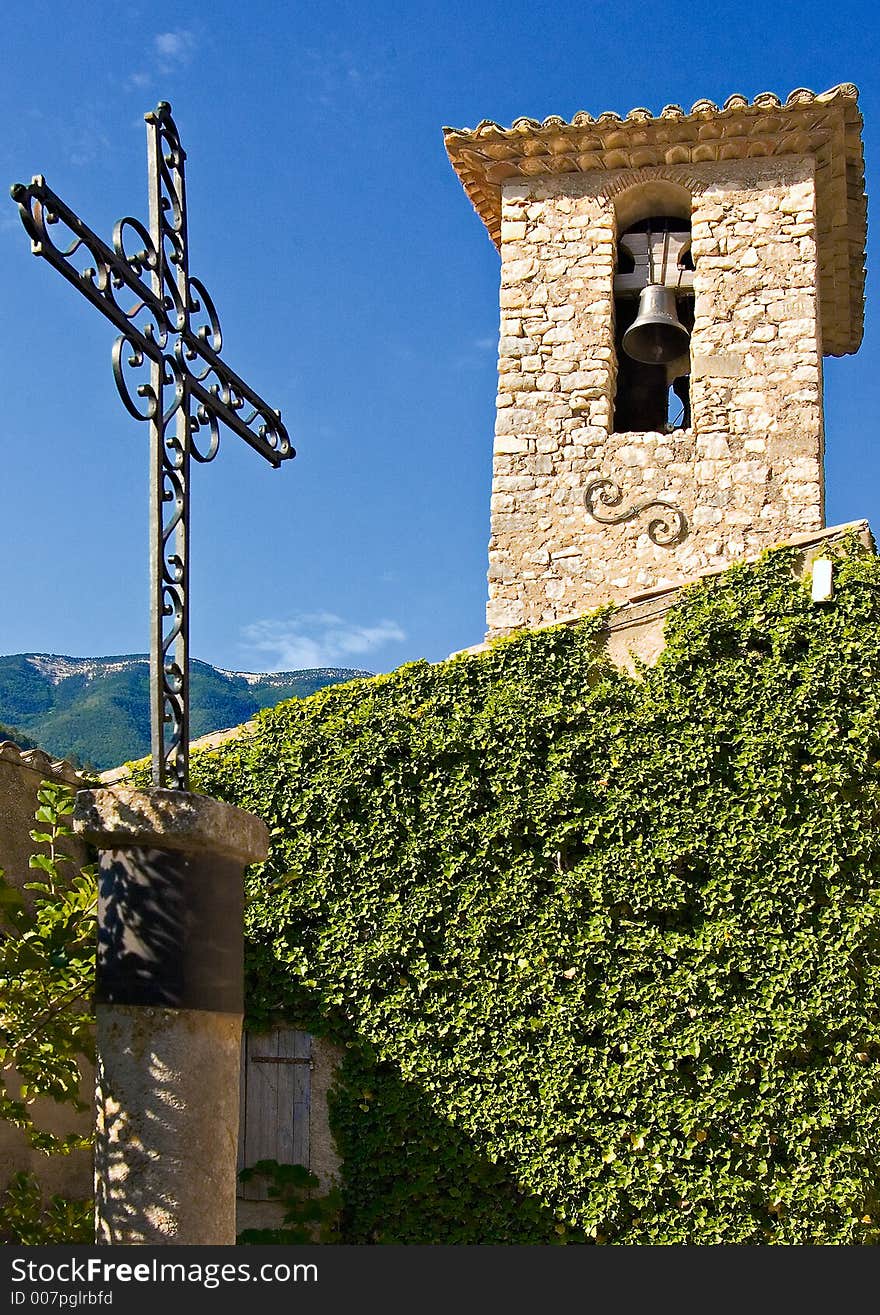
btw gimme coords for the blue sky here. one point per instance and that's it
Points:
(356, 288)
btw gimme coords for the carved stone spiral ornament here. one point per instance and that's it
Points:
(168, 371)
(667, 529)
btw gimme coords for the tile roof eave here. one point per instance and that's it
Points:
(826, 125)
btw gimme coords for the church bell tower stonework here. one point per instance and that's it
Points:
(614, 477)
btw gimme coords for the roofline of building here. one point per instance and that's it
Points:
(825, 126)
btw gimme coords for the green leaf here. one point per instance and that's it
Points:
(43, 863)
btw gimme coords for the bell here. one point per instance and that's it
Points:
(656, 336)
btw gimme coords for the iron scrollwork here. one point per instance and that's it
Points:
(168, 371)
(669, 528)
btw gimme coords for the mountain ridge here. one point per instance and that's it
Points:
(95, 710)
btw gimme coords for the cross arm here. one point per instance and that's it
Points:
(145, 324)
(222, 396)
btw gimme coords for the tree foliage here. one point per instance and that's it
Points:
(603, 948)
(308, 1215)
(47, 966)
(97, 710)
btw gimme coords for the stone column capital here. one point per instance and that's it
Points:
(118, 817)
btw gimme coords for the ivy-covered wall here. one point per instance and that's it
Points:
(603, 949)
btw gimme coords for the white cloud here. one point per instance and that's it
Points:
(333, 74)
(86, 145)
(174, 49)
(171, 51)
(476, 354)
(316, 639)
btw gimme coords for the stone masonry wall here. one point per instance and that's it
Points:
(747, 475)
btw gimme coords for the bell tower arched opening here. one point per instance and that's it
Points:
(653, 310)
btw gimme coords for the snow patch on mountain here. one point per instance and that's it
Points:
(271, 678)
(57, 667)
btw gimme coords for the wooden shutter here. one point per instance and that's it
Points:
(276, 1075)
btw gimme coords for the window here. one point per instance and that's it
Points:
(275, 1102)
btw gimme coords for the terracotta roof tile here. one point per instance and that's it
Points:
(825, 125)
(38, 761)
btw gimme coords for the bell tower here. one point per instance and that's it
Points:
(669, 286)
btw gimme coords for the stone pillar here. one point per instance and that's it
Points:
(169, 1010)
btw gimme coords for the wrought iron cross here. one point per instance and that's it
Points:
(172, 333)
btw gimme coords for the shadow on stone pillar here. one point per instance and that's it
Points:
(168, 1011)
